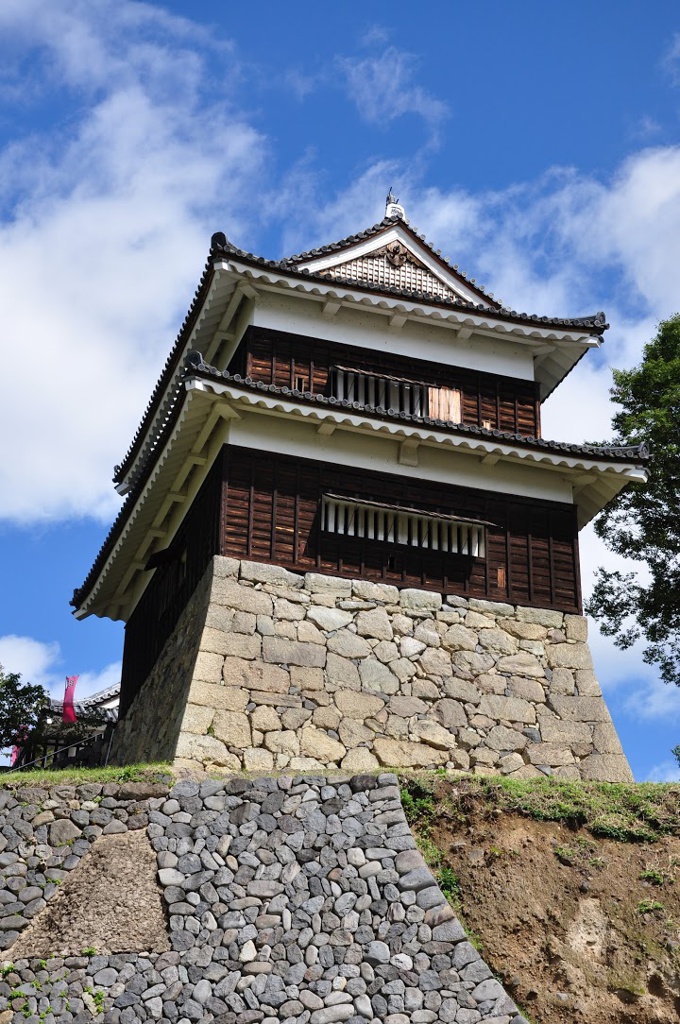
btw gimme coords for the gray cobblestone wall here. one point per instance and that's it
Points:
(303, 673)
(302, 900)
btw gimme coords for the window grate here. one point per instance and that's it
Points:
(396, 395)
(402, 526)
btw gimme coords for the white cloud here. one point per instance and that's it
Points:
(33, 659)
(102, 241)
(665, 771)
(384, 88)
(41, 663)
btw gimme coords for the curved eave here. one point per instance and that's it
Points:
(176, 473)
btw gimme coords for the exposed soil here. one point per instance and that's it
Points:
(565, 919)
(110, 902)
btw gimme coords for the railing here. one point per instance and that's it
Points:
(89, 752)
(395, 525)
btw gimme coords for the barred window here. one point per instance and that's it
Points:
(396, 394)
(397, 525)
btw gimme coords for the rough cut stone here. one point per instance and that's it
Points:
(606, 768)
(258, 760)
(257, 659)
(432, 734)
(319, 744)
(406, 707)
(255, 675)
(510, 709)
(521, 665)
(541, 617)
(576, 627)
(206, 750)
(353, 704)
(197, 719)
(404, 754)
(502, 738)
(211, 695)
(375, 624)
(579, 709)
(376, 676)
(359, 759)
(419, 600)
(348, 645)
(244, 599)
(259, 572)
(375, 592)
(280, 651)
(233, 728)
(329, 618)
(574, 655)
(450, 713)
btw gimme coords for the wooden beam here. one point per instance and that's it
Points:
(330, 308)
(397, 320)
(326, 428)
(408, 453)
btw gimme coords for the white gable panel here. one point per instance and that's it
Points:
(372, 257)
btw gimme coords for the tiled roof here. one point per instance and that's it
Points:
(597, 322)
(639, 453)
(194, 366)
(220, 246)
(384, 224)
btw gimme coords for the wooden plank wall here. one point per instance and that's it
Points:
(174, 581)
(270, 513)
(283, 359)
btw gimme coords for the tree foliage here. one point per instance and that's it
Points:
(20, 707)
(643, 522)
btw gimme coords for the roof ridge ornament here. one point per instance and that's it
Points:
(393, 210)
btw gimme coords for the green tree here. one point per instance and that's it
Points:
(643, 522)
(20, 706)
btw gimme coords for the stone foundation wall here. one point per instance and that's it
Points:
(311, 672)
(293, 899)
(150, 729)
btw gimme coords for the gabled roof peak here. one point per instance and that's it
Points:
(393, 211)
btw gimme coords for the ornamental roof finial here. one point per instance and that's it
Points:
(392, 207)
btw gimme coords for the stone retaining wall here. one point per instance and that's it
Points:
(302, 900)
(303, 673)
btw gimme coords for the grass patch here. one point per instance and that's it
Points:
(633, 812)
(157, 772)
(650, 907)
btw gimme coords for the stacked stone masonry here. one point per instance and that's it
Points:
(295, 900)
(302, 673)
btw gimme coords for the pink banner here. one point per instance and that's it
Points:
(69, 714)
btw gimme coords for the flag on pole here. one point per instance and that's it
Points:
(69, 714)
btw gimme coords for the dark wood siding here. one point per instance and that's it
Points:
(174, 580)
(271, 507)
(273, 357)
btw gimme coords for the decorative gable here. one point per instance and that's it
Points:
(391, 266)
(391, 255)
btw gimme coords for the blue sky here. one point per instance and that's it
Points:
(535, 144)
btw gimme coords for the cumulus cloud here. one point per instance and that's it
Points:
(34, 660)
(384, 87)
(665, 771)
(41, 663)
(103, 236)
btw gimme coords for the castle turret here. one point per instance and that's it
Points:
(344, 539)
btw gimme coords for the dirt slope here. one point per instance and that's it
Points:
(579, 928)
